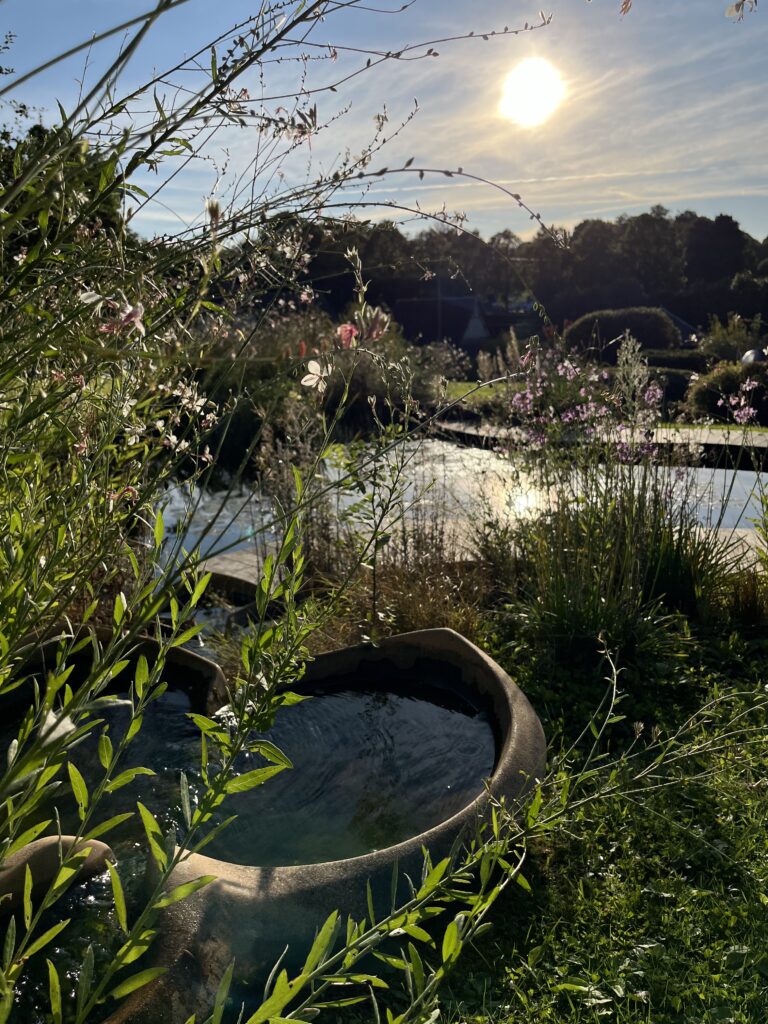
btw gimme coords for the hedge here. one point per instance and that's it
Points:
(677, 359)
(653, 328)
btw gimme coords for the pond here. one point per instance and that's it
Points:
(460, 485)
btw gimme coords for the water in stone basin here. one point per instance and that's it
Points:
(371, 769)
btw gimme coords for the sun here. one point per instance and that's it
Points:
(533, 91)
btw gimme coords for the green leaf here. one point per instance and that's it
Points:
(433, 879)
(186, 802)
(199, 590)
(221, 994)
(271, 752)
(118, 896)
(54, 992)
(135, 726)
(154, 836)
(417, 967)
(9, 945)
(79, 789)
(124, 778)
(69, 869)
(110, 823)
(135, 948)
(318, 952)
(181, 892)
(159, 529)
(27, 837)
(120, 605)
(534, 807)
(27, 896)
(451, 943)
(137, 981)
(45, 938)
(85, 979)
(186, 636)
(105, 750)
(242, 783)
(141, 676)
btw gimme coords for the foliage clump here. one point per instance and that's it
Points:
(599, 332)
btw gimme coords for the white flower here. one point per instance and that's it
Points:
(316, 377)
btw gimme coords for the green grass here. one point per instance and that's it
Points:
(649, 908)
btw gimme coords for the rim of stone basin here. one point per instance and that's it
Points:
(251, 913)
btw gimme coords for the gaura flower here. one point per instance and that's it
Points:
(316, 376)
(347, 334)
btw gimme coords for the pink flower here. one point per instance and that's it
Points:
(132, 318)
(302, 349)
(347, 334)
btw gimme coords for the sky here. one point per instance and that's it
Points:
(665, 105)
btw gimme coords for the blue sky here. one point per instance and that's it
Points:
(665, 105)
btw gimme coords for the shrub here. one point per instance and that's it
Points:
(597, 331)
(730, 340)
(717, 394)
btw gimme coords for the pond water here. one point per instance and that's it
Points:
(461, 485)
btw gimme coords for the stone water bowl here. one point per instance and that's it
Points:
(255, 909)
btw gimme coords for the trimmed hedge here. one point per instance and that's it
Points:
(677, 359)
(653, 328)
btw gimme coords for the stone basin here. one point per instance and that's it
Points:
(251, 912)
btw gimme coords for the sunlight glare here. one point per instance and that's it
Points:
(533, 91)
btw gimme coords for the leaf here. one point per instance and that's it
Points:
(45, 938)
(181, 892)
(141, 675)
(242, 783)
(124, 778)
(105, 750)
(27, 837)
(134, 727)
(186, 803)
(433, 879)
(27, 896)
(272, 753)
(199, 590)
(186, 636)
(451, 943)
(136, 947)
(110, 823)
(221, 994)
(118, 896)
(534, 807)
(417, 967)
(159, 529)
(137, 981)
(85, 979)
(322, 943)
(154, 836)
(79, 789)
(54, 992)
(9, 945)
